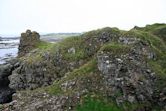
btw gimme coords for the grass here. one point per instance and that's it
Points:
(42, 45)
(158, 46)
(156, 29)
(77, 44)
(98, 32)
(152, 28)
(95, 104)
(77, 73)
(37, 54)
(115, 48)
(158, 65)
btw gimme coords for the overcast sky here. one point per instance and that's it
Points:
(77, 15)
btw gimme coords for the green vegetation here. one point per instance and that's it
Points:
(33, 58)
(78, 44)
(42, 45)
(155, 42)
(115, 48)
(37, 55)
(73, 48)
(96, 33)
(153, 27)
(96, 104)
(156, 29)
(99, 103)
(159, 67)
(157, 46)
(84, 70)
(153, 35)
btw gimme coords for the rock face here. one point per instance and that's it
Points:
(42, 72)
(45, 102)
(28, 42)
(127, 75)
(5, 91)
(126, 68)
(28, 76)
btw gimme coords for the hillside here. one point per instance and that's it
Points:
(102, 70)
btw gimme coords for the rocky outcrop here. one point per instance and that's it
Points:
(31, 76)
(126, 68)
(28, 42)
(127, 75)
(39, 101)
(5, 91)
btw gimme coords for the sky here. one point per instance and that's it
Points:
(53, 16)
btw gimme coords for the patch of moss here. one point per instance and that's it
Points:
(159, 67)
(77, 44)
(155, 42)
(55, 89)
(97, 104)
(34, 59)
(115, 48)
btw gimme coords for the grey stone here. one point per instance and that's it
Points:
(28, 42)
(5, 91)
(72, 50)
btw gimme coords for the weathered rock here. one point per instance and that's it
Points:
(28, 42)
(6, 95)
(119, 72)
(40, 101)
(128, 40)
(72, 50)
(127, 75)
(5, 91)
(31, 75)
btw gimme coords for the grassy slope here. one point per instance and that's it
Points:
(158, 45)
(79, 44)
